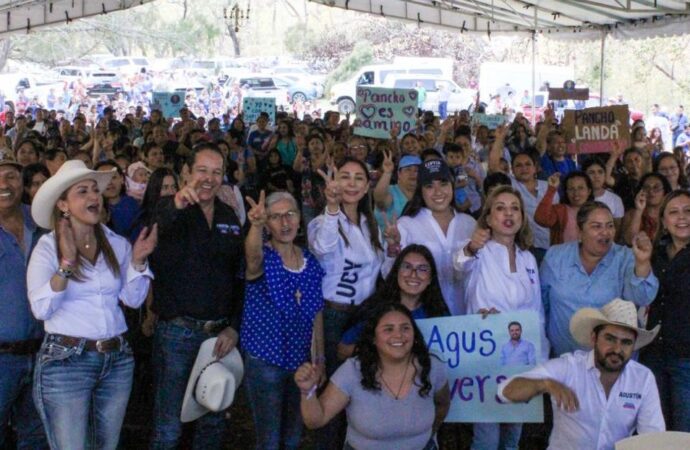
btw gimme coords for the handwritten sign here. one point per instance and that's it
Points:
(380, 109)
(491, 121)
(594, 130)
(168, 103)
(253, 106)
(472, 349)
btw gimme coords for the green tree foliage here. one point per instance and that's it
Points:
(361, 55)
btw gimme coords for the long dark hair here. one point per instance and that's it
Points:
(577, 174)
(28, 173)
(151, 196)
(368, 355)
(363, 208)
(682, 178)
(416, 203)
(661, 231)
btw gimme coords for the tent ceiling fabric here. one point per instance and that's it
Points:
(26, 15)
(560, 19)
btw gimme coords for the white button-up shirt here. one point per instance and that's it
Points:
(88, 308)
(540, 234)
(489, 283)
(423, 229)
(351, 269)
(632, 404)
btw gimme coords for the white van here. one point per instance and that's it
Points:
(460, 98)
(344, 94)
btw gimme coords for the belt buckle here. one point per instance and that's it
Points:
(209, 326)
(99, 346)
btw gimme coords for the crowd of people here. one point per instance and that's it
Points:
(126, 243)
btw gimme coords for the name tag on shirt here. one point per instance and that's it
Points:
(224, 228)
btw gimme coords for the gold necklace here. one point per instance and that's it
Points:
(396, 395)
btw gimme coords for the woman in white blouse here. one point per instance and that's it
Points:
(431, 219)
(76, 277)
(502, 275)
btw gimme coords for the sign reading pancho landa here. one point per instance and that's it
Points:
(594, 130)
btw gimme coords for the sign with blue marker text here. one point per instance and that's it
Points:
(491, 121)
(253, 106)
(168, 103)
(380, 109)
(479, 354)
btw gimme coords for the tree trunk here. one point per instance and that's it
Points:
(5, 47)
(185, 6)
(235, 39)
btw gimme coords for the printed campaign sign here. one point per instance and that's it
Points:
(379, 109)
(253, 106)
(594, 130)
(168, 103)
(491, 121)
(473, 351)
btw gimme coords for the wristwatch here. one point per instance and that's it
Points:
(140, 267)
(64, 273)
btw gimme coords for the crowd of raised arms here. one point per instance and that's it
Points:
(291, 260)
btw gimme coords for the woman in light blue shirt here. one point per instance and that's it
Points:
(591, 272)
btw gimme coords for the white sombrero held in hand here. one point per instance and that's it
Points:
(617, 312)
(71, 172)
(212, 383)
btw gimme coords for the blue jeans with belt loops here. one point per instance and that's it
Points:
(174, 352)
(82, 395)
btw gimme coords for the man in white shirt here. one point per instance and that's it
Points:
(601, 396)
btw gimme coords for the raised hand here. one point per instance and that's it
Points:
(306, 377)
(388, 165)
(642, 247)
(333, 191)
(257, 213)
(501, 132)
(145, 244)
(187, 195)
(479, 238)
(555, 180)
(391, 232)
(66, 241)
(641, 200)
(395, 131)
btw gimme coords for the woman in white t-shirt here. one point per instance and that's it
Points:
(596, 171)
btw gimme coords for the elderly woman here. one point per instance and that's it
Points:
(77, 277)
(591, 272)
(282, 326)
(394, 392)
(501, 275)
(668, 356)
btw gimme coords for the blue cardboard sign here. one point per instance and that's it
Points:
(476, 362)
(253, 106)
(168, 103)
(379, 109)
(491, 121)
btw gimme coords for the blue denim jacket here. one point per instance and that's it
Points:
(16, 321)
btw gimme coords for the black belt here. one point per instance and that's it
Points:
(113, 344)
(206, 326)
(25, 347)
(343, 307)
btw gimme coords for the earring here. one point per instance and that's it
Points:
(65, 214)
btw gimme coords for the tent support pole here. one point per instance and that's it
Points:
(534, 68)
(601, 69)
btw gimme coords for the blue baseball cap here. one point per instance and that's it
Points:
(409, 160)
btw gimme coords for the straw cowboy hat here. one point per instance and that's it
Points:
(617, 312)
(70, 173)
(213, 382)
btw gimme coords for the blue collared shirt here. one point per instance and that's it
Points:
(522, 354)
(16, 321)
(566, 287)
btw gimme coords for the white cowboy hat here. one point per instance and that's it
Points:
(213, 382)
(617, 312)
(70, 173)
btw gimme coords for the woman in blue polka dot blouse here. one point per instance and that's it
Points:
(282, 325)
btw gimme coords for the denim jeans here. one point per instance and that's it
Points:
(496, 436)
(17, 404)
(82, 395)
(673, 380)
(274, 399)
(443, 110)
(174, 352)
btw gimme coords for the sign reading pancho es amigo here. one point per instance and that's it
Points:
(379, 110)
(594, 130)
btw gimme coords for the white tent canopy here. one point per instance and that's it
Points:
(26, 15)
(578, 19)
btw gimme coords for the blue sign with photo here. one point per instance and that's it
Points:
(253, 106)
(168, 103)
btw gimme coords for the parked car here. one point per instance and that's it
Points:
(460, 98)
(298, 90)
(72, 73)
(126, 64)
(260, 85)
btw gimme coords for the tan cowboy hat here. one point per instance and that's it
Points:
(660, 440)
(70, 173)
(6, 159)
(617, 312)
(212, 383)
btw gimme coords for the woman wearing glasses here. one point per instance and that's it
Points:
(645, 216)
(561, 217)
(281, 323)
(502, 275)
(412, 282)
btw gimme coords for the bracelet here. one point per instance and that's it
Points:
(64, 273)
(337, 212)
(393, 250)
(140, 267)
(67, 262)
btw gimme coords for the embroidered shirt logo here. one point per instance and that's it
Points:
(628, 405)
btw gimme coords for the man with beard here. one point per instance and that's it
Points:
(599, 397)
